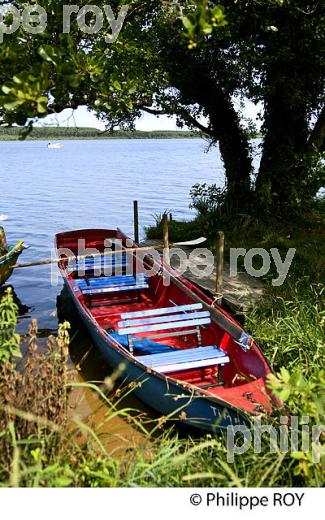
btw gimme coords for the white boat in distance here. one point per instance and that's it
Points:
(55, 145)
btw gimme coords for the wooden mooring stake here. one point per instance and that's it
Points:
(219, 266)
(136, 220)
(166, 256)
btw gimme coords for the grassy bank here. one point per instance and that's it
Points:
(305, 233)
(62, 133)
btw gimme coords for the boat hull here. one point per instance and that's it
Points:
(191, 395)
(171, 400)
(6, 265)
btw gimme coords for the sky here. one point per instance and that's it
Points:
(83, 118)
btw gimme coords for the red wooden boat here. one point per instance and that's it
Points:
(187, 358)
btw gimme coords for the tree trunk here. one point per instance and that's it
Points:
(235, 152)
(286, 181)
(281, 180)
(196, 86)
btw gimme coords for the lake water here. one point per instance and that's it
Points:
(90, 184)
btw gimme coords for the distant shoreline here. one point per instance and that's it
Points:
(81, 133)
(64, 134)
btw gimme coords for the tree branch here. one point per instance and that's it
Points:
(153, 111)
(182, 112)
(192, 121)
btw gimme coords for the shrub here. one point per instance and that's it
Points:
(9, 339)
(207, 199)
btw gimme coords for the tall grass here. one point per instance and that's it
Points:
(289, 325)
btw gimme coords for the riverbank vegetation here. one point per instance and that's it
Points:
(304, 232)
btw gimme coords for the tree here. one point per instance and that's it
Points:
(191, 59)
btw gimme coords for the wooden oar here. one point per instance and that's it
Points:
(196, 242)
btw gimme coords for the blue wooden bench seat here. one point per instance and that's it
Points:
(164, 322)
(119, 260)
(179, 320)
(162, 311)
(147, 345)
(154, 320)
(110, 284)
(185, 359)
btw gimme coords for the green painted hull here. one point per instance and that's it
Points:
(6, 263)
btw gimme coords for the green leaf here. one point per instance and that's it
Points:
(48, 54)
(299, 455)
(5, 89)
(17, 79)
(13, 104)
(285, 374)
(284, 394)
(117, 85)
(62, 481)
(188, 24)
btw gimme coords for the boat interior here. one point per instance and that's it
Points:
(159, 324)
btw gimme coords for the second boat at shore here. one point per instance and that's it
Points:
(8, 256)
